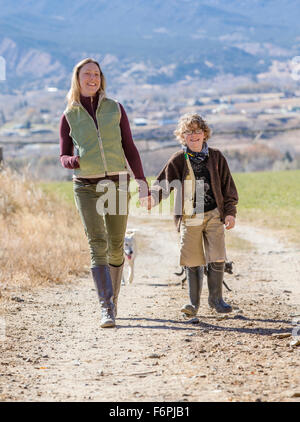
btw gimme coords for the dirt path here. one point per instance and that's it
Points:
(54, 349)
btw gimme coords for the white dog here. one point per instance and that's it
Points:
(130, 250)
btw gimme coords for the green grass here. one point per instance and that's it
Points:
(64, 190)
(270, 199)
(269, 190)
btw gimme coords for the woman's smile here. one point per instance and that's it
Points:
(89, 79)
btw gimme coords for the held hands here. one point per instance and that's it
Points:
(229, 222)
(147, 202)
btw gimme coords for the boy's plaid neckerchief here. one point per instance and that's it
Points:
(196, 157)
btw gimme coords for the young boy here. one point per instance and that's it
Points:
(200, 218)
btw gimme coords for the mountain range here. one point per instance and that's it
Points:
(154, 41)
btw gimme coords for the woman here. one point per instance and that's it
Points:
(99, 130)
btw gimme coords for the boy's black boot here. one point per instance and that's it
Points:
(194, 276)
(103, 283)
(215, 275)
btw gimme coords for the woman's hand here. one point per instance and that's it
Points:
(229, 222)
(147, 202)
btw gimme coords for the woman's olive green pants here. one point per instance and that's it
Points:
(104, 213)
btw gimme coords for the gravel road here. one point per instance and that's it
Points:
(53, 349)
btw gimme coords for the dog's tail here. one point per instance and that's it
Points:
(182, 271)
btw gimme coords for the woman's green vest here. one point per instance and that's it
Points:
(100, 150)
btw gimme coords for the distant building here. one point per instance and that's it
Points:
(40, 131)
(140, 122)
(165, 122)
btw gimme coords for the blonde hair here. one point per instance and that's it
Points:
(187, 122)
(74, 92)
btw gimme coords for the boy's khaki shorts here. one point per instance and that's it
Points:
(209, 232)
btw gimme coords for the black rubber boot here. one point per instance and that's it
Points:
(116, 277)
(194, 276)
(215, 275)
(103, 283)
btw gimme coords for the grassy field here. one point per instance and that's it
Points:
(266, 199)
(271, 199)
(63, 190)
(35, 217)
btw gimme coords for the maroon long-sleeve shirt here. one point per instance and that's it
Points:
(71, 161)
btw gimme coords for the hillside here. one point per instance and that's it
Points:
(169, 41)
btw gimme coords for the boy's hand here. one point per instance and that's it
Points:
(147, 202)
(229, 222)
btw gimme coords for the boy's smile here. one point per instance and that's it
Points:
(194, 138)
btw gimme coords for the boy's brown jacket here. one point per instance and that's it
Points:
(222, 183)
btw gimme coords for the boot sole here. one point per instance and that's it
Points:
(188, 313)
(108, 325)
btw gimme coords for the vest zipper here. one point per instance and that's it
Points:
(99, 138)
(102, 151)
(98, 135)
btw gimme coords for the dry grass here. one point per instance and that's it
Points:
(42, 240)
